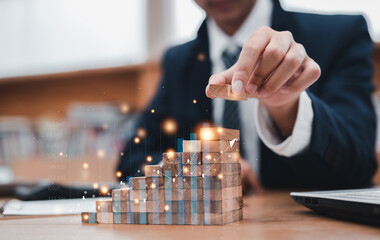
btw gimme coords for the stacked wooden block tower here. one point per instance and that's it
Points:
(199, 186)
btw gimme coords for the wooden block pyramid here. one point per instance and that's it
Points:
(199, 186)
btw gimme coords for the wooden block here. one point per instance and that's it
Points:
(227, 157)
(139, 194)
(137, 183)
(191, 145)
(156, 218)
(187, 194)
(223, 218)
(226, 193)
(130, 218)
(147, 195)
(104, 206)
(153, 171)
(120, 194)
(154, 182)
(187, 218)
(182, 158)
(121, 218)
(221, 169)
(208, 182)
(225, 91)
(202, 206)
(121, 206)
(220, 146)
(88, 217)
(183, 170)
(148, 206)
(216, 134)
(104, 217)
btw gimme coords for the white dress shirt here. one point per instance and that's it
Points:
(255, 119)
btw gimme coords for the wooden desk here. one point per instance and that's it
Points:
(273, 215)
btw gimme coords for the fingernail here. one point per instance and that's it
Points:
(263, 93)
(251, 89)
(237, 86)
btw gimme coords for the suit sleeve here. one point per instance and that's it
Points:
(154, 142)
(342, 148)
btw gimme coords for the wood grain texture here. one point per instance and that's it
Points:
(230, 157)
(137, 183)
(88, 217)
(104, 217)
(104, 206)
(184, 170)
(212, 182)
(120, 194)
(221, 169)
(225, 91)
(220, 146)
(182, 158)
(216, 134)
(153, 170)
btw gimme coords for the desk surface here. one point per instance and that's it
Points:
(273, 215)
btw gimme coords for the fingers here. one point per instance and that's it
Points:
(307, 77)
(220, 78)
(292, 61)
(249, 57)
(273, 55)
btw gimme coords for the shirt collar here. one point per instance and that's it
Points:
(219, 41)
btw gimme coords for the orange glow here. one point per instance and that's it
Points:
(104, 190)
(149, 158)
(61, 154)
(153, 185)
(141, 132)
(220, 129)
(100, 153)
(206, 134)
(167, 207)
(136, 201)
(194, 101)
(185, 169)
(119, 174)
(169, 126)
(152, 110)
(121, 154)
(85, 165)
(220, 176)
(208, 157)
(124, 108)
(85, 217)
(95, 185)
(170, 152)
(136, 140)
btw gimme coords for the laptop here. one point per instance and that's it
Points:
(359, 205)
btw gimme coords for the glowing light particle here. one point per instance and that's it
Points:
(167, 207)
(141, 132)
(85, 165)
(136, 140)
(208, 157)
(152, 110)
(170, 152)
(220, 130)
(100, 153)
(136, 200)
(95, 185)
(104, 190)
(85, 217)
(153, 185)
(206, 134)
(169, 126)
(149, 158)
(220, 176)
(185, 169)
(121, 154)
(119, 174)
(61, 154)
(194, 101)
(124, 108)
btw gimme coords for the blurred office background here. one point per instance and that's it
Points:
(74, 75)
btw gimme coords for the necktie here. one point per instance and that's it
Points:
(231, 114)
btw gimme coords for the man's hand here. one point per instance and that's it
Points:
(275, 69)
(249, 178)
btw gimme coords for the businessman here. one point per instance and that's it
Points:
(309, 121)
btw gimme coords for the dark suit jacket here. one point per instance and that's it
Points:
(341, 153)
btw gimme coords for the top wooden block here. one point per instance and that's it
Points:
(225, 91)
(137, 183)
(153, 171)
(215, 134)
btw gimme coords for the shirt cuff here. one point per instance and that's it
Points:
(301, 135)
